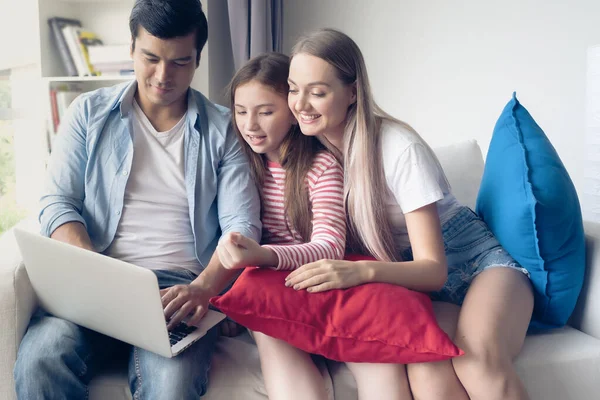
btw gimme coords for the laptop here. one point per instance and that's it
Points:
(104, 294)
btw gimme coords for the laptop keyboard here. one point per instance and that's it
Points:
(179, 332)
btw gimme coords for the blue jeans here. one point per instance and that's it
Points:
(470, 248)
(57, 359)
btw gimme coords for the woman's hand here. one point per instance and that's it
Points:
(323, 275)
(238, 251)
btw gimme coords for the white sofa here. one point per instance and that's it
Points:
(560, 365)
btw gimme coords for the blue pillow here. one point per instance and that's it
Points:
(529, 202)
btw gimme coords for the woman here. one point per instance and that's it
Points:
(400, 210)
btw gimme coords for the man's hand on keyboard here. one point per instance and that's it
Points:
(184, 301)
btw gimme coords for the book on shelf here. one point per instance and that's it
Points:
(78, 39)
(114, 69)
(61, 97)
(110, 53)
(73, 42)
(88, 40)
(71, 37)
(111, 59)
(54, 111)
(56, 26)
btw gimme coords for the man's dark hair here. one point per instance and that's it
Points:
(168, 19)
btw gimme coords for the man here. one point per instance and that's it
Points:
(148, 172)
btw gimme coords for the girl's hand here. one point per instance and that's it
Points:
(238, 251)
(323, 275)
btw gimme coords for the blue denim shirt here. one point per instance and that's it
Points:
(91, 161)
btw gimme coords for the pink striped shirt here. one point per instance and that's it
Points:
(325, 182)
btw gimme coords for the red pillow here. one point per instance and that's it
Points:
(375, 323)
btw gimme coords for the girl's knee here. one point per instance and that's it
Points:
(423, 374)
(381, 381)
(435, 380)
(378, 372)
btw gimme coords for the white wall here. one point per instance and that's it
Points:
(449, 67)
(18, 34)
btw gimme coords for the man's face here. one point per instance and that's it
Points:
(164, 69)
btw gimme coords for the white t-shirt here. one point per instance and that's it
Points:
(414, 179)
(155, 231)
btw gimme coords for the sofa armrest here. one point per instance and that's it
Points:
(17, 303)
(586, 316)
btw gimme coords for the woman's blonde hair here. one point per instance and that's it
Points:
(296, 152)
(365, 185)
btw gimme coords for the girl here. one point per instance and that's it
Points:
(400, 210)
(301, 186)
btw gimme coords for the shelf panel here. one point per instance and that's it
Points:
(89, 78)
(96, 1)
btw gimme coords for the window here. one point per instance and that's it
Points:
(10, 211)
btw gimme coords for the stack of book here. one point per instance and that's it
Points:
(111, 59)
(84, 54)
(73, 42)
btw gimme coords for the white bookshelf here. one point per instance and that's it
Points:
(85, 79)
(44, 69)
(109, 19)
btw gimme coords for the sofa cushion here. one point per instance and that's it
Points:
(558, 365)
(235, 374)
(463, 165)
(567, 357)
(376, 322)
(529, 202)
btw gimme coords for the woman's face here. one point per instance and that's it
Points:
(318, 98)
(262, 117)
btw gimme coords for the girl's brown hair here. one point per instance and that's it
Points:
(297, 151)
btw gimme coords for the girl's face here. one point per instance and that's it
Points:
(318, 98)
(263, 118)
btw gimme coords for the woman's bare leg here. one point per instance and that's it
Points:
(289, 372)
(381, 381)
(492, 325)
(437, 380)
